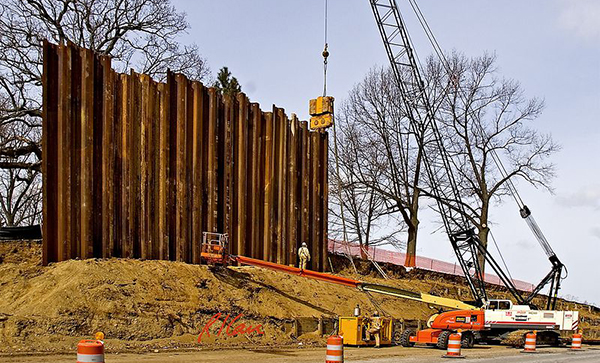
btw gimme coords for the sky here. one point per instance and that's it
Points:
(552, 47)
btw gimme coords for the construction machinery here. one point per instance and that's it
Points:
(495, 318)
(482, 320)
(355, 330)
(223, 258)
(215, 248)
(495, 321)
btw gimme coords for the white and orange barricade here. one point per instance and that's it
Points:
(335, 349)
(576, 341)
(530, 339)
(90, 351)
(453, 349)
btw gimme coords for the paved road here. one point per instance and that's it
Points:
(482, 354)
(587, 356)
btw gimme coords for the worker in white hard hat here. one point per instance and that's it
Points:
(303, 255)
(375, 328)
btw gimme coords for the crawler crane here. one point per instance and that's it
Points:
(496, 318)
(483, 319)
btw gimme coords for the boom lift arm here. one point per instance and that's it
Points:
(360, 285)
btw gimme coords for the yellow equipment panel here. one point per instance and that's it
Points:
(321, 105)
(321, 121)
(321, 110)
(355, 331)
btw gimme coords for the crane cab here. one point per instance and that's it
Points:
(498, 305)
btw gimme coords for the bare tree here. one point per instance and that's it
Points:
(484, 117)
(20, 197)
(366, 214)
(20, 182)
(386, 156)
(135, 33)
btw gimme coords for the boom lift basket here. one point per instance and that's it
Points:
(215, 248)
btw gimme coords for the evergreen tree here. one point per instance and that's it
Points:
(226, 84)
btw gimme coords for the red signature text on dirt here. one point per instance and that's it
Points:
(229, 328)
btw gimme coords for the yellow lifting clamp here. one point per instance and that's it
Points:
(321, 110)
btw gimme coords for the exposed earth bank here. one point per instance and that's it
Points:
(158, 305)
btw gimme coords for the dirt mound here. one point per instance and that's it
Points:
(22, 252)
(143, 305)
(158, 304)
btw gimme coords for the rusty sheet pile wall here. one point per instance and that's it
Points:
(137, 168)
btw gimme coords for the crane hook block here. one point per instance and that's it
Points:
(325, 53)
(321, 110)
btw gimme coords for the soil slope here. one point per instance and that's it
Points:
(147, 305)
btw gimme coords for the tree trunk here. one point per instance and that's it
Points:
(363, 255)
(483, 237)
(363, 241)
(413, 229)
(411, 243)
(483, 232)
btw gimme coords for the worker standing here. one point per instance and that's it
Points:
(304, 256)
(376, 328)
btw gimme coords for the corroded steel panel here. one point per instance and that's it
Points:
(136, 168)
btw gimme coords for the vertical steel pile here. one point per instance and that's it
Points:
(139, 169)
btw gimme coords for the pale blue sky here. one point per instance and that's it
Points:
(552, 47)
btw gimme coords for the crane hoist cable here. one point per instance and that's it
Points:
(325, 55)
(558, 268)
(441, 56)
(341, 197)
(335, 150)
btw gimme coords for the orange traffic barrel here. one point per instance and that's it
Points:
(453, 350)
(90, 351)
(576, 342)
(335, 349)
(530, 339)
